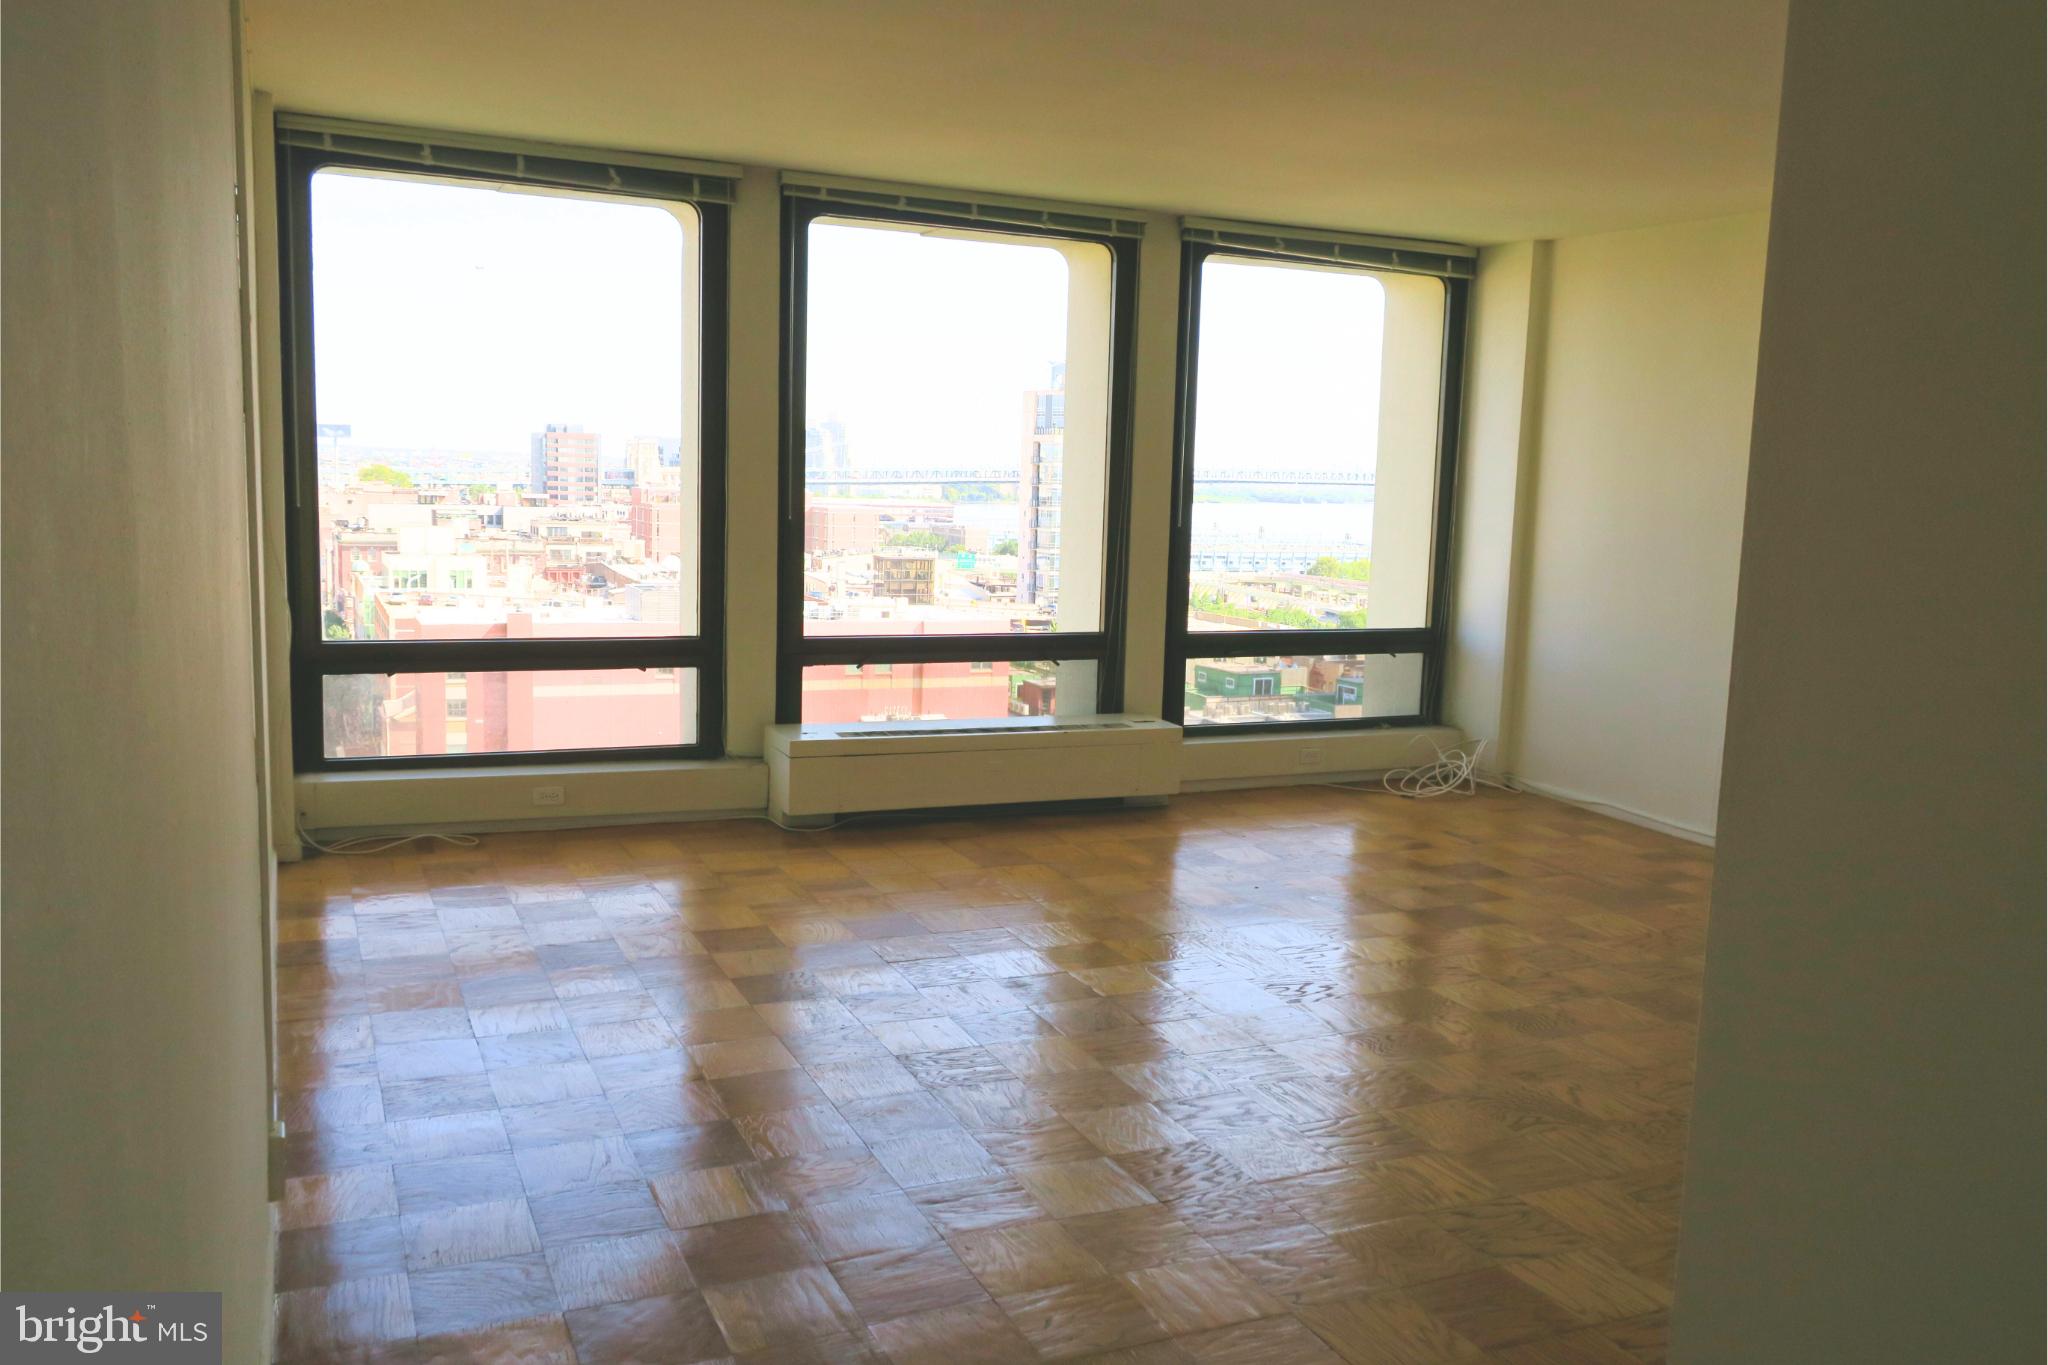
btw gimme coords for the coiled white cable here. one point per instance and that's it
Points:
(1453, 773)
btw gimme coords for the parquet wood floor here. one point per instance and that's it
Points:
(1293, 1075)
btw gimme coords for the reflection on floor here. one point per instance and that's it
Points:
(1288, 1075)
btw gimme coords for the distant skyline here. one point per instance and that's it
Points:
(464, 319)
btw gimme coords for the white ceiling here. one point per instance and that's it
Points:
(1478, 122)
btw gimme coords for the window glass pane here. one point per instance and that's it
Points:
(956, 431)
(1315, 447)
(836, 694)
(1302, 687)
(507, 411)
(374, 715)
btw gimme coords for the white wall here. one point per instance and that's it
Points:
(1634, 418)
(1497, 441)
(134, 1070)
(1865, 1178)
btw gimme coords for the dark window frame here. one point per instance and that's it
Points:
(1428, 641)
(794, 651)
(314, 658)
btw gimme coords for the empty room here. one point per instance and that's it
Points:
(1161, 683)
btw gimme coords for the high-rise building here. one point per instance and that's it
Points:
(825, 450)
(565, 464)
(654, 462)
(654, 516)
(1038, 550)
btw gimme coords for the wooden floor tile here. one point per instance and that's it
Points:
(934, 1158)
(452, 1182)
(891, 1284)
(1491, 1307)
(792, 1132)
(438, 1137)
(1021, 1256)
(327, 1320)
(659, 1151)
(332, 1252)
(1269, 1341)
(1388, 1329)
(1137, 1238)
(715, 1194)
(577, 1165)
(1286, 1075)
(473, 1232)
(973, 1334)
(865, 1224)
(338, 1197)
(599, 1211)
(481, 1293)
(1087, 1316)
(670, 1329)
(747, 1248)
(1591, 1286)
(781, 1310)
(1129, 1128)
(1072, 1188)
(528, 1341)
(616, 1269)
(990, 1201)
(1405, 1251)
(1194, 1296)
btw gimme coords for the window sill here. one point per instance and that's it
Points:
(487, 798)
(1214, 760)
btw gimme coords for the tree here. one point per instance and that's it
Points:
(1329, 566)
(1286, 614)
(1296, 617)
(352, 702)
(1006, 546)
(384, 473)
(481, 492)
(918, 540)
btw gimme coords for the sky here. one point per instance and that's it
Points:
(459, 318)
(925, 346)
(1288, 368)
(465, 318)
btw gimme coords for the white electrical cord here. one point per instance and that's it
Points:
(1454, 773)
(1451, 774)
(382, 843)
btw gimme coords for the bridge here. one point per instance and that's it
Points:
(880, 478)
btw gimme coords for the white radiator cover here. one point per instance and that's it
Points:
(819, 771)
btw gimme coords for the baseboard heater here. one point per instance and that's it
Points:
(817, 772)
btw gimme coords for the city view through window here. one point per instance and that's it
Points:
(1297, 463)
(507, 449)
(955, 462)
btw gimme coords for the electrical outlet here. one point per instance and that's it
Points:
(548, 796)
(1307, 756)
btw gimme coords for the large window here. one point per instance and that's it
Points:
(506, 403)
(1317, 420)
(953, 526)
